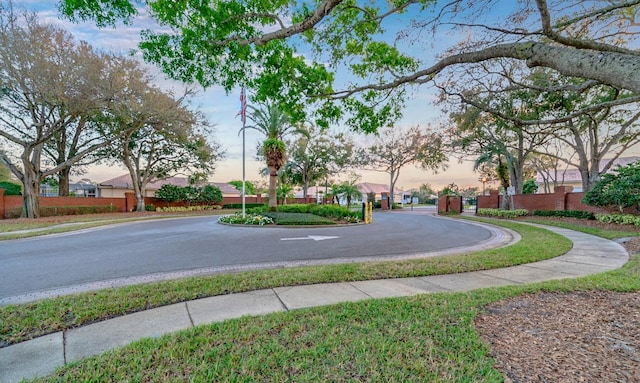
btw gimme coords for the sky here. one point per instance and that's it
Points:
(221, 110)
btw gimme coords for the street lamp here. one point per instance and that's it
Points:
(484, 181)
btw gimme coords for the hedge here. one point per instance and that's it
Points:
(51, 211)
(565, 213)
(239, 205)
(281, 218)
(11, 188)
(503, 213)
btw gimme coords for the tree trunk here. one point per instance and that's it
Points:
(138, 190)
(273, 197)
(140, 203)
(31, 197)
(31, 180)
(63, 182)
(391, 187)
(305, 189)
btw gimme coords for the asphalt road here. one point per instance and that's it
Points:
(169, 248)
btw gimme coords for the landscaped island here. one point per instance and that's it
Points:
(299, 214)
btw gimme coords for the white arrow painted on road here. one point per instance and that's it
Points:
(314, 237)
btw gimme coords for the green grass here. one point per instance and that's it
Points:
(22, 322)
(425, 338)
(608, 234)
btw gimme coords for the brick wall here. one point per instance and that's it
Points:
(450, 204)
(562, 199)
(12, 205)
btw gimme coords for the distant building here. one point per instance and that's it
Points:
(572, 177)
(400, 196)
(117, 187)
(83, 188)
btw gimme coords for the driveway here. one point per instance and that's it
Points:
(171, 248)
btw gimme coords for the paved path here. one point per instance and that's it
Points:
(148, 251)
(41, 356)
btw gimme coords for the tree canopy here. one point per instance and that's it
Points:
(294, 50)
(619, 189)
(64, 105)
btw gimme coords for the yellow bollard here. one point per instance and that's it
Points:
(368, 217)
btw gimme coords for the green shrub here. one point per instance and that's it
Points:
(208, 194)
(281, 218)
(248, 219)
(620, 219)
(529, 186)
(304, 214)
(334, 212)
(180, 209)
(239, 206)
(13, 213)
(581, 214)
(171, 193)
(620, 189)
(503, 213)
(150, 207)
(296, 208)
(51, 211)
(11, 188)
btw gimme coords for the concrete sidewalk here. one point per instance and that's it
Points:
(40, 356)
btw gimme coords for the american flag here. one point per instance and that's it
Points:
(243, 106)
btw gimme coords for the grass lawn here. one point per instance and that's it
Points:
(423, 338)
(426, 338)
(623, 230)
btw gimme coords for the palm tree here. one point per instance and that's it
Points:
(274, 124)
(350, 192)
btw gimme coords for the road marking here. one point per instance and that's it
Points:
(314, 237)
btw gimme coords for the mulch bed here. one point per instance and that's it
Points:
(591, 336)
(573, 337)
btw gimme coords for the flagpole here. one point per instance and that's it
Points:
(243, 171)
(243, 116)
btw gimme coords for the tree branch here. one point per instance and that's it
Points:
(568, 62)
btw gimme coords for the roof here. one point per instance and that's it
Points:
(573, 175)
(368, 187)
(364, 187)
(124, 182)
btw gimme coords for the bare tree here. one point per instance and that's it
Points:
(45, 92)
(395, 148)
(157, 134)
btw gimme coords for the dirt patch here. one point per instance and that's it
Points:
(632, 245)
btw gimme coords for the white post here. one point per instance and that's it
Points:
(243, 116)
(243, 175)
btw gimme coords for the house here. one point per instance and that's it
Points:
(117, 187)
(399, 195)
(82, 188)
(365, 188)
(572, 177)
